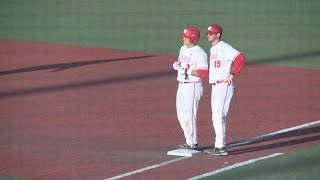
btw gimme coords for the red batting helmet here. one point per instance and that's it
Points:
(191, 32)
(214, 29)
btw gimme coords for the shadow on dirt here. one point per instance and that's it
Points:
(313, 132)
(64, 66)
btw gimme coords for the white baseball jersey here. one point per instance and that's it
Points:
(192, 58)
(222, 56)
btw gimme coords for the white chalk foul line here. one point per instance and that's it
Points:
(147, 168)
(246, 141)
(234, 166)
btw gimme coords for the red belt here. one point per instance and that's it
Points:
(218, 82)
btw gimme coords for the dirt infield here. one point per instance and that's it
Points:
(71, 112)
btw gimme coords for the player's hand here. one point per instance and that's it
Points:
(229, 79)
(176, 65)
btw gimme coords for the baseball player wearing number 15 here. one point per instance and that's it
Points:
(191, 67)
(225, 63)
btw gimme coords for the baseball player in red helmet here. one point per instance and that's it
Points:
(191, 67)
(225, 63)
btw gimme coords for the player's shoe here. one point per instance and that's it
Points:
(186, 146)
(217, 151)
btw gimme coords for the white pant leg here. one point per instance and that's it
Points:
(187, 104)
(221, 96)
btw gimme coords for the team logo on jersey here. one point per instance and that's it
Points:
(184, 58)
(213, 56)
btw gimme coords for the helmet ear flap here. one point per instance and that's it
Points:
(192, 40)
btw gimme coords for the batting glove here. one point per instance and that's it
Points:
(182, 70)
(176, 65)
(189, 71)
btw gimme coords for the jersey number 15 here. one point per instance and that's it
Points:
(216, 64)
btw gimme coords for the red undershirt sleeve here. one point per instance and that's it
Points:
(238, 64)
(202, 73)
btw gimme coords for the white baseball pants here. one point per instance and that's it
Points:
(187, 104)
(221, 96)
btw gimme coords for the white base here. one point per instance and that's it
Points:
(183, 152)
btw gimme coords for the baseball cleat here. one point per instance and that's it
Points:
(217, 151)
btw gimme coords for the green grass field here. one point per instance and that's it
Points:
(280, 32)
(10, 178)
(299, 165)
